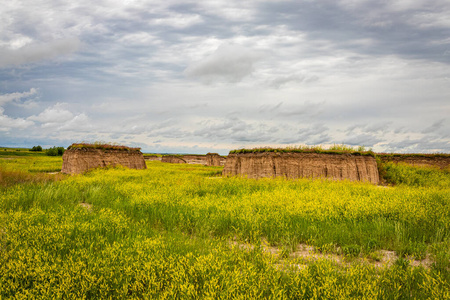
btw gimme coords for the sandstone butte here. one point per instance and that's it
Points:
(296, 165)
(79, 160)
(214, 159)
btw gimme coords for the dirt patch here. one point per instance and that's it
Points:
(87, 206)
(296, 165)
(307, 254)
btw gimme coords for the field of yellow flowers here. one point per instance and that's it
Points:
(183, 231)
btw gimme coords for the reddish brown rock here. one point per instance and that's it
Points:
(296, 165)
(79, 160)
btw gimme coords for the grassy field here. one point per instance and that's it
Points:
(183, 231)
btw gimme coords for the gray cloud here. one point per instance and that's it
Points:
(293, 78)
(434, 127)
(362, 72)
(37, 52)
(315, 134)
(367, 140)
(229, 63)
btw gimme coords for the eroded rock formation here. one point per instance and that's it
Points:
(296, 165)
(195, 159)
(173, 159)
(152, 157)
(213, 159)
(79, 160)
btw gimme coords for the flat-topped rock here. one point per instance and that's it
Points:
(173, 159)
(297, 165)
(79, 160)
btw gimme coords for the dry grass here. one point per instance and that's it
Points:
(12, 177)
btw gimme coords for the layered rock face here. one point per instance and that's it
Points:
(173, 159)
(214, 159)
(296, 165)
(77, 161)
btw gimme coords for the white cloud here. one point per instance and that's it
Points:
(229, 63)
(31, 53)
(53, 115)
(5, 98)
(7, 123)
(78, 123)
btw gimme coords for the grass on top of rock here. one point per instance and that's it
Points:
(335, 149)
(102, 146)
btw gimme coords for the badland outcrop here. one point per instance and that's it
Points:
(152, 157)
(194, 159)
(173, 159)
(296, 165)
(214, 159)
(79, 160)
(210, 159)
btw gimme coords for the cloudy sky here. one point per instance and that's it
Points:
(215, 75)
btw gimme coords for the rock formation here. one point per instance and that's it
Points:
(295, 165)
(174, 159)
(195, 159)
(79, 160)
(152, 157)
(213, 159)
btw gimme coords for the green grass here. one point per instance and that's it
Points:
(166, 232)
(8, 152)
(335, 149)
(102, 146)
(403, 174)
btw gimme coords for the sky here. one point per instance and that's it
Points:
(216, 75)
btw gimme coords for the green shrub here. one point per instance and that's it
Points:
(36, 148)
(55, 151)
